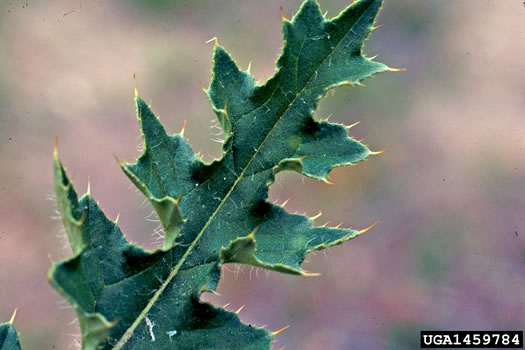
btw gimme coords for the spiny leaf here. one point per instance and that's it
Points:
(216, 213)
(8, 336)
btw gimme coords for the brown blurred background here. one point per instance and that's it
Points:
(449, 249)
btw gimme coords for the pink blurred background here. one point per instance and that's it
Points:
(449, 194)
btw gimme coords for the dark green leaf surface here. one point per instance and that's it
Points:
(216, 213)
(9, 336)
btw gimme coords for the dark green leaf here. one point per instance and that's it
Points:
(217, 213)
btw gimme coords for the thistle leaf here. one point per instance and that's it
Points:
(216, 213)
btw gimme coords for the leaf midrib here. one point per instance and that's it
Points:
(129, 332)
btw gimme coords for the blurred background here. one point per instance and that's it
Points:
(449, 194)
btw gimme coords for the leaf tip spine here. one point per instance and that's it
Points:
(374, 153)
(183, 128)
(116, 220)
(239, 309)
(252, 234)
(136, 92)
(317, 216)
(283, 19)
(310, 274)
(121, 164)
(13, 317)
(55, 148)
(214, 39)
(281, 330)
(328, 182)
(88, 192)
(396, 69)
(203, 88)
(368, 228)
(352, 125)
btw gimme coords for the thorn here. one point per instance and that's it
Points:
(50, 259)
(310, 274)
(396, 69)
(326, 181)
(352, 125)
(88, 192)
(13, 317)
(183, 128)
(325, 13)
(253, 232)
(203, 88)
(118, 160)
(283, 19)
(379, 152)
(349, 82)
(339, 225)
(328, 117)
(317, 216)
(280, 330)
(373, 57)
(360, 84)
(368, 228)
(240, 309)
(116, 220)
(55, 149)
(286, 201)
(213, 39)
(215, 293)
(135, 86)
(225, 306)
(249, 67)
(376, 27)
